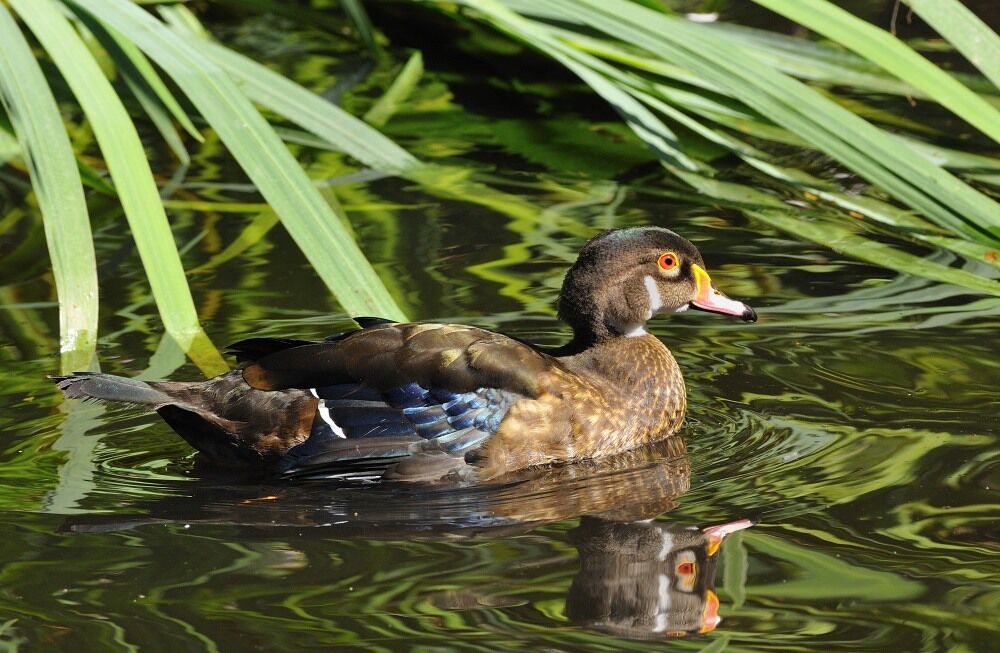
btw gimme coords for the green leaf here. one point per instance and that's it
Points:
(300, 105)
(356, 12)
(147, 87)
(642, 121)
(307, 217)
(829, 64)
(895, 56)
(126, 159)
(51, 163)
(970, 36)
(830, 128)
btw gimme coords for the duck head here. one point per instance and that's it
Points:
(623, 277)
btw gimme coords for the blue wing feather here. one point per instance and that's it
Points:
(356, 426)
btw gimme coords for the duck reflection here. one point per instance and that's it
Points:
(645, 580)
(638, 578)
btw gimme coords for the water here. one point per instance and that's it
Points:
(857, 423)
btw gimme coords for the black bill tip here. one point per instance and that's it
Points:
(749, 315)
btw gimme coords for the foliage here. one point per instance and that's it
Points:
(645, 62)
(123, 29)
(699, 95)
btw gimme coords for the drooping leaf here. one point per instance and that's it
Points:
(303, 107)
(35, 115)
(963, 29)
(881, 47)
(126, 159)
(843, 241)
(311, 222)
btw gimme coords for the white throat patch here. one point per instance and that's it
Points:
(655, 301)
(655, 305)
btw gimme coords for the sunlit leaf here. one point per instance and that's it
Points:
(963, 29)
(310, 221)
(126, 159)
(46, 148)
(883, 48)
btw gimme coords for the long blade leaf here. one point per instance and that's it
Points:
(827, 126)
(253, 142)
(356, 12)
(126, 159)
(963, 29)
(308, 110)
(35, 115)
(892, 54)
(147, 87)
(841, 240)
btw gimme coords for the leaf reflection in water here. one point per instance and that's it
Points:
(638, 578)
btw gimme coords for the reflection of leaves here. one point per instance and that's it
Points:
(846, 242)
(818, 575)
(734, 569)
(718, 645)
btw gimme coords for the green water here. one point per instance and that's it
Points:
(857, 422)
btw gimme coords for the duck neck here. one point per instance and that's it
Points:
(596, 313)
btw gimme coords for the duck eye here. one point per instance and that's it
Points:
(667, 261)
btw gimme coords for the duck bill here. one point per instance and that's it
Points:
(719, 532)
(709, 299)
(710, 615)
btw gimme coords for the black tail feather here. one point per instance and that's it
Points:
(365, 322)
(252, 349)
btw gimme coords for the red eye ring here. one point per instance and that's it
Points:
(667, 261)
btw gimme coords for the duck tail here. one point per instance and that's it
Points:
(225, 419)
(107, 387)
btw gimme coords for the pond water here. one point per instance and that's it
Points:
(856, 423)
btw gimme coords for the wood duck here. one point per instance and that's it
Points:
(424, 402)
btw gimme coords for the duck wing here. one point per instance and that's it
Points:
(415, 401)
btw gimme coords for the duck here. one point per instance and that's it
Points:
(428, 402)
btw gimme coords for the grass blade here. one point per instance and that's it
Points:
(826, 126)
(829, 64)
(963, 29)
(303, 107)
(356, 12)
(843, 241)
(35, 115)
(147, 87)
(126, 159)
(307, 217)
(883, 48)
(643, 122)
